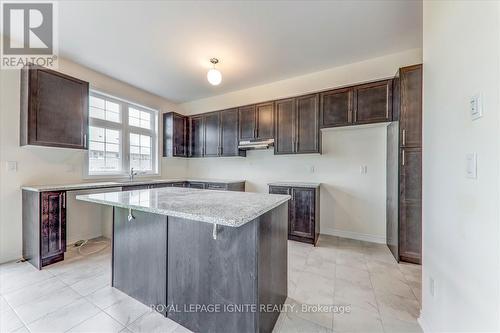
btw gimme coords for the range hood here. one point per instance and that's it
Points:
(255, 144)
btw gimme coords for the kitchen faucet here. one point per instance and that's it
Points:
(132, 174)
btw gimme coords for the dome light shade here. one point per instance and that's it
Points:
(214, 76)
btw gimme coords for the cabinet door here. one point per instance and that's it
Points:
(265, 121)
(229, 132)
(285, 126)
(373, 102)
(410, 219)
(54, 109)
(336, 108)
(53, 235)
(248, 118)
(196, 135)
(301, 222)
(212, 134)
(307, 134)
(179, 136)
(216, 186)
(411, 106)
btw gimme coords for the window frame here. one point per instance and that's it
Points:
(125, 129)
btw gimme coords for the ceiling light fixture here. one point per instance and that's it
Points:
(214, 76)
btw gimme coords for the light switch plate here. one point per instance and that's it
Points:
(471, 165)
(476, 107)
(12, 166)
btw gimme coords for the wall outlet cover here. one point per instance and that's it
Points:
(471, 165)
(476, 107)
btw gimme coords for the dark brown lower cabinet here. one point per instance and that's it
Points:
(303, 212)
(410, 205)
(44, 227)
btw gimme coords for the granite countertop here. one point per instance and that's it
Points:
(295, 184)
(227, 208)
(92, 185)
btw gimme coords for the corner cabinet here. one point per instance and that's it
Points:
(44, 227)
(175, 140)
(297, 125)
(303, 212)
(54, 109)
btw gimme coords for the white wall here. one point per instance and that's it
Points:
(352, 204)
(39, 165)
(461, 216)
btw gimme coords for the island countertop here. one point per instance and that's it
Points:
(232, 209)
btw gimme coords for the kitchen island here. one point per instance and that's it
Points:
(213, 261)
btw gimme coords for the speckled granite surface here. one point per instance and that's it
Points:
(227, 208)
(86, 186)
(295, 184)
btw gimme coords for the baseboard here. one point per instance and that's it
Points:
(423, 324)
(354, 235)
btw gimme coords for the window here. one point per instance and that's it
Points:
(122, 135)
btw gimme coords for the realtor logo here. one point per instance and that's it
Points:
(28, 31)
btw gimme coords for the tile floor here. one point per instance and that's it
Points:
(75, 295)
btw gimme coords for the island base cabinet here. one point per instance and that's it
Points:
(140, 256)
(243, 266)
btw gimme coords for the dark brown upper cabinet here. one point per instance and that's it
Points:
(297, 125)
(336, 107)
(54, 109)
(248, 122)
(229, 133)
(284, 142)
(196, 136)
(307, 139)
(410, 105)
(212, 134)
(256, 121)
(373, 102)
(175, 135)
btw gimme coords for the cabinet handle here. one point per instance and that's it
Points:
(403, 157)
(387, 104)
(175, 151)
(64, 200)
(404, 137)
(85, 141)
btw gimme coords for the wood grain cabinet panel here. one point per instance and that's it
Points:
(175, 135)
(54, 109)
(336, 108)
(53, 227)
(410, 80)
(284, 142)
(410, 214)
(307, 133)
(265, 121)
(196, 136)
(373, 102)
(212, 134)
(248, 122)
(229, 123)
(303, 212)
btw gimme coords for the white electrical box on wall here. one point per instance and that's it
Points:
(471, 165)
(476, 107)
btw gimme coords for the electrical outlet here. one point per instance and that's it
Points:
(312, 169)
(363, 169)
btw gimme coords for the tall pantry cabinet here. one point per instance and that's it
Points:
(404, 167)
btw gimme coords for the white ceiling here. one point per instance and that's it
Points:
(164, 47)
